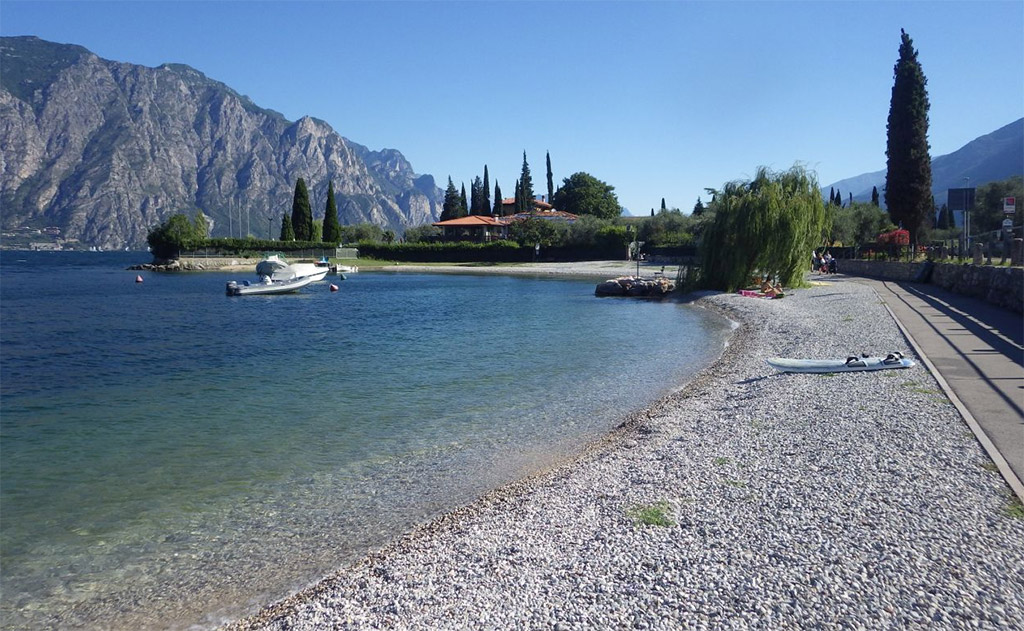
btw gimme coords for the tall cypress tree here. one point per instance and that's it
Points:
(832, 196)
(526, 187)
(874, 196)
(332, 230)
(287, 232)
(518, 205)
(663, 204)
(486, 193)
(551, 181)
(908, 176)
(302, 212)
(463, 202)
(450, 208)
(499, 208)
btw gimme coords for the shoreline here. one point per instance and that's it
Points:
(793, 499)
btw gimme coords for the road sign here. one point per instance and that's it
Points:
(1009, 205)
(1007, 224)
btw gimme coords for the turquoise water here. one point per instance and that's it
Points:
(171, 456)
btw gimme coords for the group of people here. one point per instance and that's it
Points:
(824, 264)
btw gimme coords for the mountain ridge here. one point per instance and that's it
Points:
(988, 158)
(105, 150)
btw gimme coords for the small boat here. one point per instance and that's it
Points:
(267, 286)
(279, 269)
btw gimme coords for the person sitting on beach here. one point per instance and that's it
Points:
(768, 289)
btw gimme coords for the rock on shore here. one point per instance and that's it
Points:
(635, 286)
(854, 500)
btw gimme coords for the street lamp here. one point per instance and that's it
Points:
(967, 216)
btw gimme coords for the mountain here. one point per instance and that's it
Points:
(104, 151)
(990, 158)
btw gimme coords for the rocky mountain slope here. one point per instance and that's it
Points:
(989, 158)
(105, 150)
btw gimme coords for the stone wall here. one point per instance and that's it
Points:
(1001, 286)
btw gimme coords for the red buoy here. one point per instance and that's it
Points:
(334, 287)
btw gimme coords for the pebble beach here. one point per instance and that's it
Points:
(745, 499)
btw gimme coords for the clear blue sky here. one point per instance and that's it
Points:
(659, 99)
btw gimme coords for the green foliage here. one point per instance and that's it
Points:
(656, 514)
(526, 194)
(200, 226)
(531, 231)
(874, 196)
(452, 207)
(361, 232)
(859, 224)
(478, 204)
(988, 204)
(908, 177)
(698, 208)
(318, 231)
(583, 194)
(667, 228)
(463, 203)
(287, 232)
(497, 200)
(445, 251)
(174, 235)
(332, 229)
(422, 234)
(302, 212)
(768, 225)
(551, 181)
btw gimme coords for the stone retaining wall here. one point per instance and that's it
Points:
(1001, 286)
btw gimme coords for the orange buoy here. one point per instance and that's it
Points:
(138, 279)
(334, 287)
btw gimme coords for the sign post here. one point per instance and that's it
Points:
(1009, 205)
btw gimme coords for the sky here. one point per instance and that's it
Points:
(659, 99)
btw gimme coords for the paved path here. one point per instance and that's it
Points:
(976, 352)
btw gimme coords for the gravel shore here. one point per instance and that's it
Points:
(846, 501)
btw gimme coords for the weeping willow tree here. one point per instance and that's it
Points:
(765, 227)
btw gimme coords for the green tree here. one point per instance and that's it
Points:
(498, 206)
(526, 194)
(388, 236)
(908, 177)
(463, 202)
(551, 181)
(318, 231)
(201, 226)
(287, 231)
(171, 237)
(478, 204)
(452, 204)
(667, 228)
(332, 229)
(859, 224)
(518, 204)
(767, 226)
(362, 232)
(422, 234)
(583, 194)
(486, 190)
(663, 203)
(987, 214)
(533, 230)
(874, 195)
(698, 208)
(302, 212)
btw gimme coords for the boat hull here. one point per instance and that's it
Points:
(267, 288)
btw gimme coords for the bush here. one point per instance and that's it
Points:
(446, 252)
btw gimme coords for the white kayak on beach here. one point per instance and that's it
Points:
(850, 364)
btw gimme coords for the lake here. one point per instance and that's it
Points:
(171, 456)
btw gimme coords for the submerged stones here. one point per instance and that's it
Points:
(635, 286)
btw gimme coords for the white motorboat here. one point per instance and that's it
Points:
(279, 269)
(267, 286)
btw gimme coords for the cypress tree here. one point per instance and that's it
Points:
(287, 232)
(476, 206)
(526, 187)
(464, 204)
(499, 209)
(302, 212)
(486, 193)
(908, 176)
(839, 198)
(698, 208)
(518, 205)
(332, 230)
(551, 181)
(832, 196)
(450, 208)
(874, 196)
(663, 207)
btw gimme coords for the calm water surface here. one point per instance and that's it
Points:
(170, 456)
